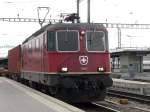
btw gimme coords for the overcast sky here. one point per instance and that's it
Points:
(117, 11)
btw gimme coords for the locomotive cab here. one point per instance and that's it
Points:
(78, 51)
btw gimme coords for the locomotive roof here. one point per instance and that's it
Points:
(66, 26)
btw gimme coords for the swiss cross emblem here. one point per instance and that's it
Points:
(83, 60)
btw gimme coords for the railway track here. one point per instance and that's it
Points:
(95, 107)
(110, 106)
(106, 108)
(117, 107)
(134, 97)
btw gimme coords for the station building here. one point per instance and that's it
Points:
(128, 60)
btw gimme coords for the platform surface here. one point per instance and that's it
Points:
(15, 97)
(144, 76)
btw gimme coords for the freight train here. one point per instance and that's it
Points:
(69, 60)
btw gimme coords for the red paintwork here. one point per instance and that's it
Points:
(32, 59)
(44, 61)
(71, 61)
(14, 57)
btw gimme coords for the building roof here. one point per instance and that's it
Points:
(136, 51)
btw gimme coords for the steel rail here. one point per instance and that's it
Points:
(135, 97)
(94, 107)
(105, 107)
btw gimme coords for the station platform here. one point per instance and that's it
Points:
(144, 76)
(16, 97)
(130, 86)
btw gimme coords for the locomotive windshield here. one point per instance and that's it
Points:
(67, 41)
(95, 41)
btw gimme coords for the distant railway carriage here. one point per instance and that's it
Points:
(70, 60)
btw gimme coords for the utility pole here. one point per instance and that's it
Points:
(119, 38)
(78, 10)
(88, 10)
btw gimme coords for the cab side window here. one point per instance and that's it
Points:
(51, 41)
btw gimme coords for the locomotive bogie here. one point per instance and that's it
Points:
(71, 88)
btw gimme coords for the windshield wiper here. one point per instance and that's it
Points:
(92, 35)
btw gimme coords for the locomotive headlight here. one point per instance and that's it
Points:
(64, 69)
(100, 69)
(82, 33)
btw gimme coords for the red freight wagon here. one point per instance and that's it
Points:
(14, 60)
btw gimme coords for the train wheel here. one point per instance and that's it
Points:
(53, 90)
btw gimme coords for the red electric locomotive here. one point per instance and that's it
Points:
(71, 61)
